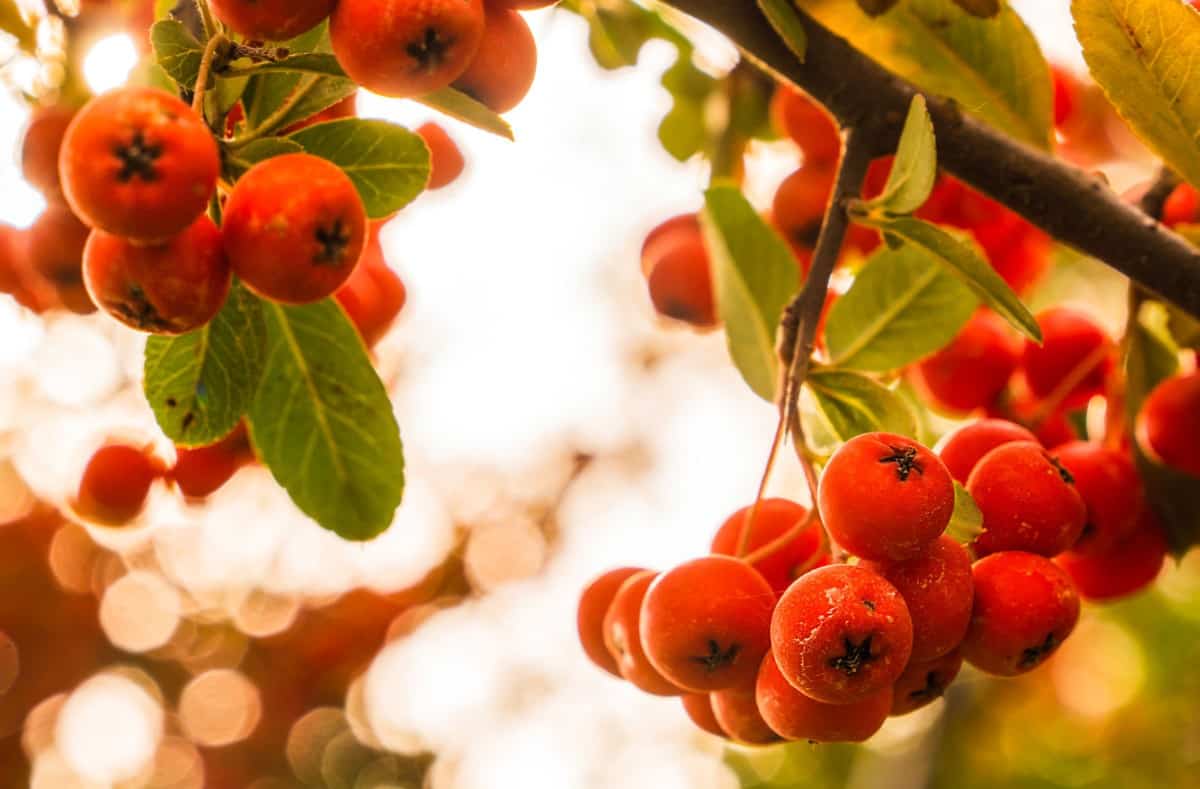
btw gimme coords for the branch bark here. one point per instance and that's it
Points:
(1073, 206)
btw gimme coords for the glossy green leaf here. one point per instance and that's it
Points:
(458, 105)
(277, 100)
(237, 162)
(967, 521)
(323, 424)
(852, 404)
(1144, 54)
(993, 68)
(914, 171)
(783, 17)
(902, 307)
(200, 384)
(177, 51)
(388, 164)
(755, 277)
(965, 261)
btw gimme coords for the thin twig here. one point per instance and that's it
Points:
(202, 76)
(279, 115)
(206, 19)
(747, 527)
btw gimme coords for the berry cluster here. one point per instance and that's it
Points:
(769, 638)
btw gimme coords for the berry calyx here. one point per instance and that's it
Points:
(795, 716)
(841, 634)
(923, 683)
(885, 496)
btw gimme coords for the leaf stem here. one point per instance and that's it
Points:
(206, 63)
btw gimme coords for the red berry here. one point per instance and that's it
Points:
(736, 711)
(446, 161)
(799, 206)
(169, 288)
(936, 587)
(1028, 500)
(700, 709)
(137, 162)
(621, 636)
(115, 484)
(1168, 426)
(40, 148)
(706, 624)
(202, 471)
(809, 125)
(1111, 491)
(962, 449)
(405, 48)
(974, 368)
(55, 245)
(923, 683)
(795, 716)
(346, 108)
(1182, 206)
(884, 496)
(593, 607)
(502, 71)
(1124, 568)
(656, 243)
(1066, 92)
(1071, 341)
(774, 518)
(294, 228)
(841, 634)
(680, 282)
(272, 20)
(1025, 607)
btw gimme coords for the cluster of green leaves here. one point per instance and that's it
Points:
(302, 379)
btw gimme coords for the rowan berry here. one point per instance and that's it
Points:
(1168, 425)
(700, 709)
(137, 162)
(271, 20)
(885, 496)
(737, 713)
(807, 123)
(1071, 342)
(1028, 500)
(799, 207)
(657, 241)
(1111, 491)
(623, 639)
(169, 288)
(55, 247)
(115, 484)
(1125, 568)
(963, 448)
(401, 48)
(795, 716)
(594, 604)
(40, 148)
(681, 283)
(1025, 607)
(200, 472)
(1182, 206)
(936, 587)
(773, 519)
(924, 683)
(294, 228)
(706, 624)
(505, 63)
(841, 634)
(972, 371)
(346, 108)
(372, 297)
(1066, 94)
(446, 161)
(12, 257)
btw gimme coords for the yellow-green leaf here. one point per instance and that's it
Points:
(911, 180)
(993, 67)
(783, 18)
(1145, 54)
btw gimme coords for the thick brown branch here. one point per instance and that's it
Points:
(1071, 205)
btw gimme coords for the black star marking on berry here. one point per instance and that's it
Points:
(430, 51)
(1067, 477)
(1033, 655)
(855, 657)
(716, 659)
(138, 311)
(138, 159)
(934, 688)
(906, 461)
(333, 240)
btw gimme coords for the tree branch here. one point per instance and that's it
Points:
(1073, 206)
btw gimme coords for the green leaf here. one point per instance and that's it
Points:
(460, 106)
(782, 16)
(682, 133)
(993, 68)
(853, 404)
(963, 260)
(238, 161)
(915, 170)
(322, 421)
(755, 277)
(200, 384)
(967, 521)
(388, 164)
(304, 94)
(901, 307)
(321, 63)
(1143, 53)
(177, 50)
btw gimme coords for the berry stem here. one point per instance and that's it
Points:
(207, 22)
(206, 66)
(747, 528)
(1067, 385)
